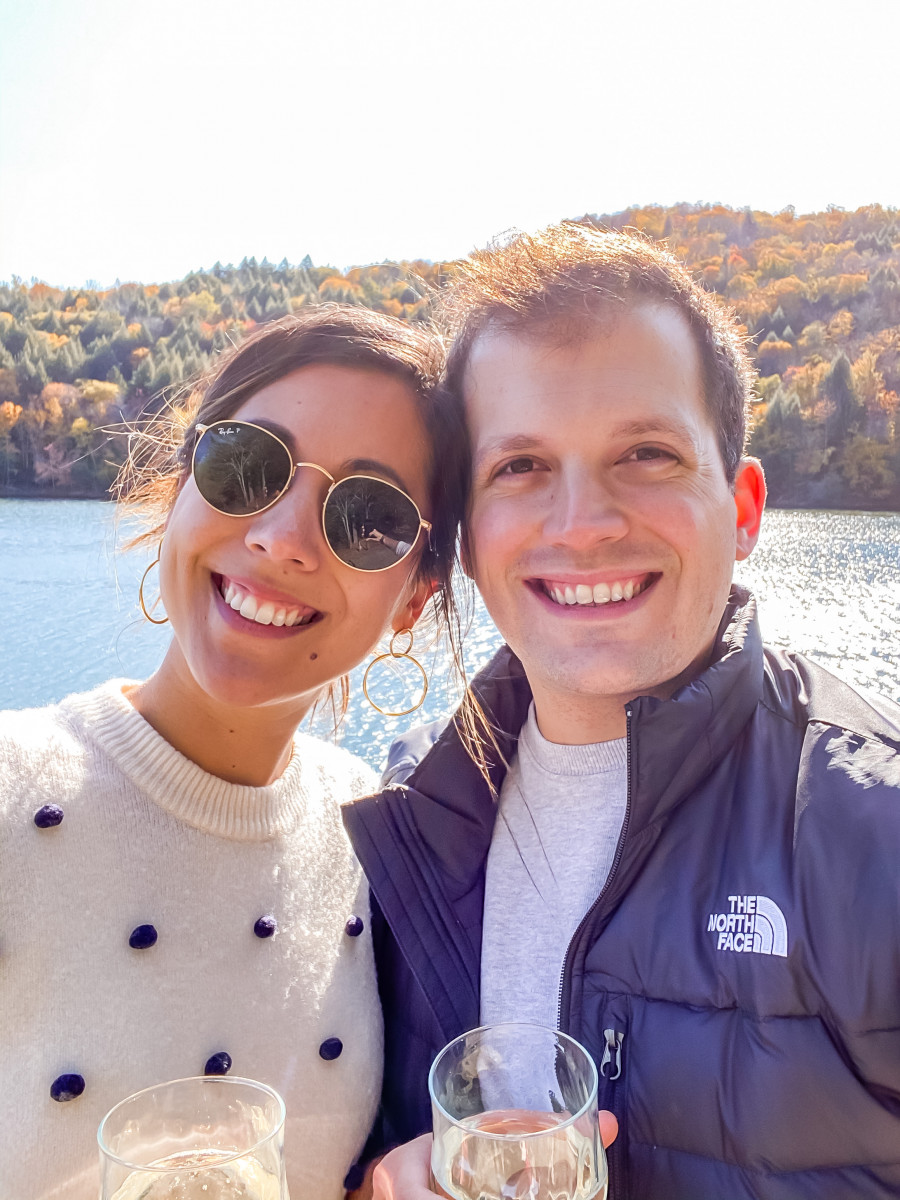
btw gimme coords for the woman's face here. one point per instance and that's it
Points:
(348, 420)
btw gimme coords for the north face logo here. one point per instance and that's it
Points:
(754, 925)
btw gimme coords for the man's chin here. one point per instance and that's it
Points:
(601, 678)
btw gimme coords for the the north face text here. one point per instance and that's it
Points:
(752, 925)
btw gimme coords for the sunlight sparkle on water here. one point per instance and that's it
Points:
(828, 585)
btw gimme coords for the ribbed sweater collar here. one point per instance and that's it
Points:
(556, 758)
(180, 787)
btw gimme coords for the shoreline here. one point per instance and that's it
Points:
(24, 492)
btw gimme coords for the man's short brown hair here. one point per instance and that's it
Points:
(563, 282)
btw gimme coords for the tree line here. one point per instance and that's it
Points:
(818, 294)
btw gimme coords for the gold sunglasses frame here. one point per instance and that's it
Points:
(423, 524)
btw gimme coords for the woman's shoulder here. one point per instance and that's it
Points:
(25, 732)
(48, 741)
(79, 708)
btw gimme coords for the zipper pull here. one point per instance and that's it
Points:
(612, 1053)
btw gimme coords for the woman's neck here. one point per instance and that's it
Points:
(249, 745)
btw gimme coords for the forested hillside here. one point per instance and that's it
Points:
(819, 295)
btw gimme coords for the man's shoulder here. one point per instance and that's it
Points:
(805, 691)
(408, 750)
(848, 777)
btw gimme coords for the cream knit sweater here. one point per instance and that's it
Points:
(148, 838)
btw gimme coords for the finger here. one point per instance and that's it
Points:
(609, 1127)
(405, 1173)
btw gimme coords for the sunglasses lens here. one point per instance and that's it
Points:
(369, 524)
(240, 469)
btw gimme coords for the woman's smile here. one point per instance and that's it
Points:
(248, 610)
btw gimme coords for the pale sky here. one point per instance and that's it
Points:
(142, 140)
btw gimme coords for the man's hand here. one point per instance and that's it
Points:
(404, 1174)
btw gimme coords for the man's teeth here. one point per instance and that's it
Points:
(263, 612)
(600, 593)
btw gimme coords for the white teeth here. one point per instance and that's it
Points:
(265, 613)
(600, 593)
(262, 612)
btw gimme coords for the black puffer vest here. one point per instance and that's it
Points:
(738, 978)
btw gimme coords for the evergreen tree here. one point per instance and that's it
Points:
(15, 338)
(841, 391)
(749, 228)
(114, 375)
(31, 375)
(143, 378)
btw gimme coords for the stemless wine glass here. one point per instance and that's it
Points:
(209, 1138)
(515, 1117)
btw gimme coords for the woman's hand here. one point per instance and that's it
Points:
(404, 1174)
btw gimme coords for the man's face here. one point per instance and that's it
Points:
(601, 530)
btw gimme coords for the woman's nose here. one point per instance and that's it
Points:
(585, 511)
(291, 530)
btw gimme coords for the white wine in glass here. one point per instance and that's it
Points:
(514, 1110)
(208, 1138)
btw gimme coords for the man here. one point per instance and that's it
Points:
(687, 855)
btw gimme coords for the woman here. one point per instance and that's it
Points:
(176, 891)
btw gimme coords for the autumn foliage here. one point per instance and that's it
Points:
(819, 295)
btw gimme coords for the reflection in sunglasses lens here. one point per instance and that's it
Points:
(369, 524)
(240, 469)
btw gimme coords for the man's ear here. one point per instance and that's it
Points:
(407, 616)
(749, 502)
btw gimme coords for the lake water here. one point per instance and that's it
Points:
(828, 585)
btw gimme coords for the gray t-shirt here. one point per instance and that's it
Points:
(560, 816)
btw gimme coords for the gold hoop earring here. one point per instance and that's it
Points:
(394, 653)
(144, 609)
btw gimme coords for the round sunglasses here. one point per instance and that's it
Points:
(241, 469)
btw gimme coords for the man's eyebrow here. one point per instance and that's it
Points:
(655, 426)
(504, 445)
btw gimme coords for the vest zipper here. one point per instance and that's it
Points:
(610, 1066)
(564, 981)
(612, 1054)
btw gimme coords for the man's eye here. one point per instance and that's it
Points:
(518, 466)
(650, 454)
